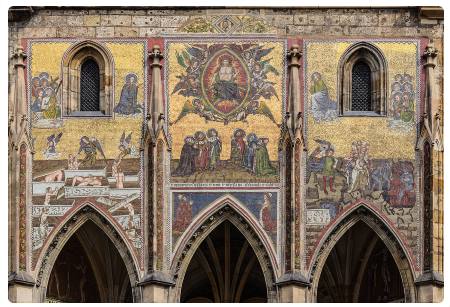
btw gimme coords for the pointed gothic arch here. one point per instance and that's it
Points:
(370, 57)
(225, 209)
(66, 230)
(363, 213)
(71, 67)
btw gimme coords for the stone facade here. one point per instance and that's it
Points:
(275, 152)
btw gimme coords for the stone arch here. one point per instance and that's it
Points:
(389, 237)
(224, 210)
(67, 229)
(72, 60)
(372, 56)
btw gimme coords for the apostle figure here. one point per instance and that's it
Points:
(51, 110)
(128, 97)
(238, 147)
(262, 162)
(328, 172)
(186, 166)
(215, 147)
(249, 157)
(183, 215)
(37, 104)
(265, 215)
(202, 159)
(322, 107)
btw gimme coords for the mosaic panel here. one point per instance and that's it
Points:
(372, 159)
(225, 103)
(86, 160)
(187, 205)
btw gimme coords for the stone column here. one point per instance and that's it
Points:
(430, 284)
(20, 282)
(156, 94)
(294, 56)
(293, 286)
(156, 283)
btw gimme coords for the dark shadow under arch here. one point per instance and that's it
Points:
(229, 214)
(87, 215)
(363, 214)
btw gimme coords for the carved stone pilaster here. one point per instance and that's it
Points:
(294, 56)
(429, 54)
(156, 96)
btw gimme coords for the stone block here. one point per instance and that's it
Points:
(161, 12)
(91, 20)
(316, 20)
(301, 19)
(115, 20)
(126, 32)
(173, 21)
(105, 32)
(79, 32)
(37, 32)
(53, 21)
(386, 19)
(75, 20)
(146, 21)
(331, 20)
(280, 21)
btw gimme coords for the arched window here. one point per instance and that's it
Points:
(361, 87)
(362, 83)
(90, 86)
(87, 83)
(427, 208)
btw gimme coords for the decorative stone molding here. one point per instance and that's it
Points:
(226, 24)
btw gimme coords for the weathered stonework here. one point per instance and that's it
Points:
(165, 74)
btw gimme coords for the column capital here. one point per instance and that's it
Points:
(429, 54)
(294, 55)
(430, 51)
(155, 55)
(19, 55)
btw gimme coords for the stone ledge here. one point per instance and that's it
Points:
(293, 278)
(22, 278)
(431, 277)
(155, 277)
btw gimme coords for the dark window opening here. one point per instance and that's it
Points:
(361, 87)
(90, 86)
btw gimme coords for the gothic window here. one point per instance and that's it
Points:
(361, 87)
(90, 86)
(87, 83)
(428, 208)
(362, 81)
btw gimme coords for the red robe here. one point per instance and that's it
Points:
(183, 216)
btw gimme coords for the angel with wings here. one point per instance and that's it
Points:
(89, 146)
(124, 146)
(52, 141)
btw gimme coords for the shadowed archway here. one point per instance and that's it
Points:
(224, 268)
(360, 268)
(89, 269)
(353, 256)
(103, 249)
